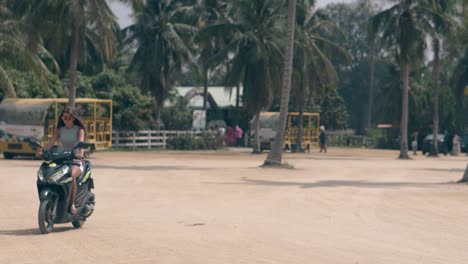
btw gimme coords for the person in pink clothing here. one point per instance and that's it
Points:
(239, 133)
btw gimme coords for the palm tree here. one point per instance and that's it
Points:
(459, 76)
(15, 51)
(210, 40)
(161, 38)
(69, 28)
(311, 63)
(257, 56)
(402, 26)
(275, 155)
(440, 12)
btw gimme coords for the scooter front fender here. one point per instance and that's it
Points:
(47, 194)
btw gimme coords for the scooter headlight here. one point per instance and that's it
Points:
(59, 174)
(40, 175)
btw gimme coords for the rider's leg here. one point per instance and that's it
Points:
(76, 172)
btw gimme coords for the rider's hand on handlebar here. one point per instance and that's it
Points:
(39, 154)
(79, 156)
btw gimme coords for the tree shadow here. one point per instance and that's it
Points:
(32, 231)
(149, 168)
(342, 183)
(325, 158)
(334, 183)
(441, 170)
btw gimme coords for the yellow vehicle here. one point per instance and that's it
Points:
(26, 120)
(310, 130)
(269, 123)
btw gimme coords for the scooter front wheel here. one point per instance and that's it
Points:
(45, 217)
(78, 223)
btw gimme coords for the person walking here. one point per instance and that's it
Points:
(239, 133)
(456, 145)
(323, 139)
(414, 143)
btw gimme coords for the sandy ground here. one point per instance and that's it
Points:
(346, 206)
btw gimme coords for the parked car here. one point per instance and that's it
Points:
(427, 144)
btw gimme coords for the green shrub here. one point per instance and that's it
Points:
(204, 141)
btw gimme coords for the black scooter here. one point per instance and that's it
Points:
(54, 183)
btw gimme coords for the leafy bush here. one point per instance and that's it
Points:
(28, 85)
(177, 116)
(204, 141)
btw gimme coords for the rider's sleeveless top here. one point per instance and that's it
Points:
(69, 137)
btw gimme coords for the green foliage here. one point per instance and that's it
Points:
(177, 116)
(161, 34)
(28, 85)
(204, 141)
(333, 112)
(131, 109)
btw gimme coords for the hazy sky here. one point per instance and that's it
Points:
(123, 12)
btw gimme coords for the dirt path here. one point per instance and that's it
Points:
(346, 206)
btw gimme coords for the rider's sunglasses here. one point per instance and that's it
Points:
(67, 117)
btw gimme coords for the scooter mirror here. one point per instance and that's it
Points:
(83, 145)
(35, 145)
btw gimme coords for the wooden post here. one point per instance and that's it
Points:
(134, 140)
(164, 139)
(149, 139)
(116, 138)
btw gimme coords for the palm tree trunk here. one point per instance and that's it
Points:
(237, 95)
(73, 65)
(371, 85)
(465, 176)
(435, 75)
(275, 155)
(300, 124)
(205, 85)
(405, 68)
(256, 124)
(6, 84)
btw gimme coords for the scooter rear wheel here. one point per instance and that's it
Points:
(45, 217)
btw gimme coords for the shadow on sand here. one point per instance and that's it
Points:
(337, 183)
(149, 168)
(32, 231)
(139, 168)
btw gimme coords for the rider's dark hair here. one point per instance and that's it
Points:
(76, 119)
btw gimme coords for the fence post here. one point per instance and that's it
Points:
(116, 138)
(164, 139)
(134, 140)
(149, 138)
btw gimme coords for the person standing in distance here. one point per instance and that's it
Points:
(323, 139)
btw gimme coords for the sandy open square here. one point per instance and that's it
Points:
(347, 206)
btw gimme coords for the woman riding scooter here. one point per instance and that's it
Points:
(69, 132)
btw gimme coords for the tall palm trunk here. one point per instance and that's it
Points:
(205, 85)
(465, 176)
(371, 85)
(73, 64)
(9, 89)
(256, 124)
(435, 75)
(275, 155)
(405, 68)
(237, 95)
(301, 102)
(300, 127)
